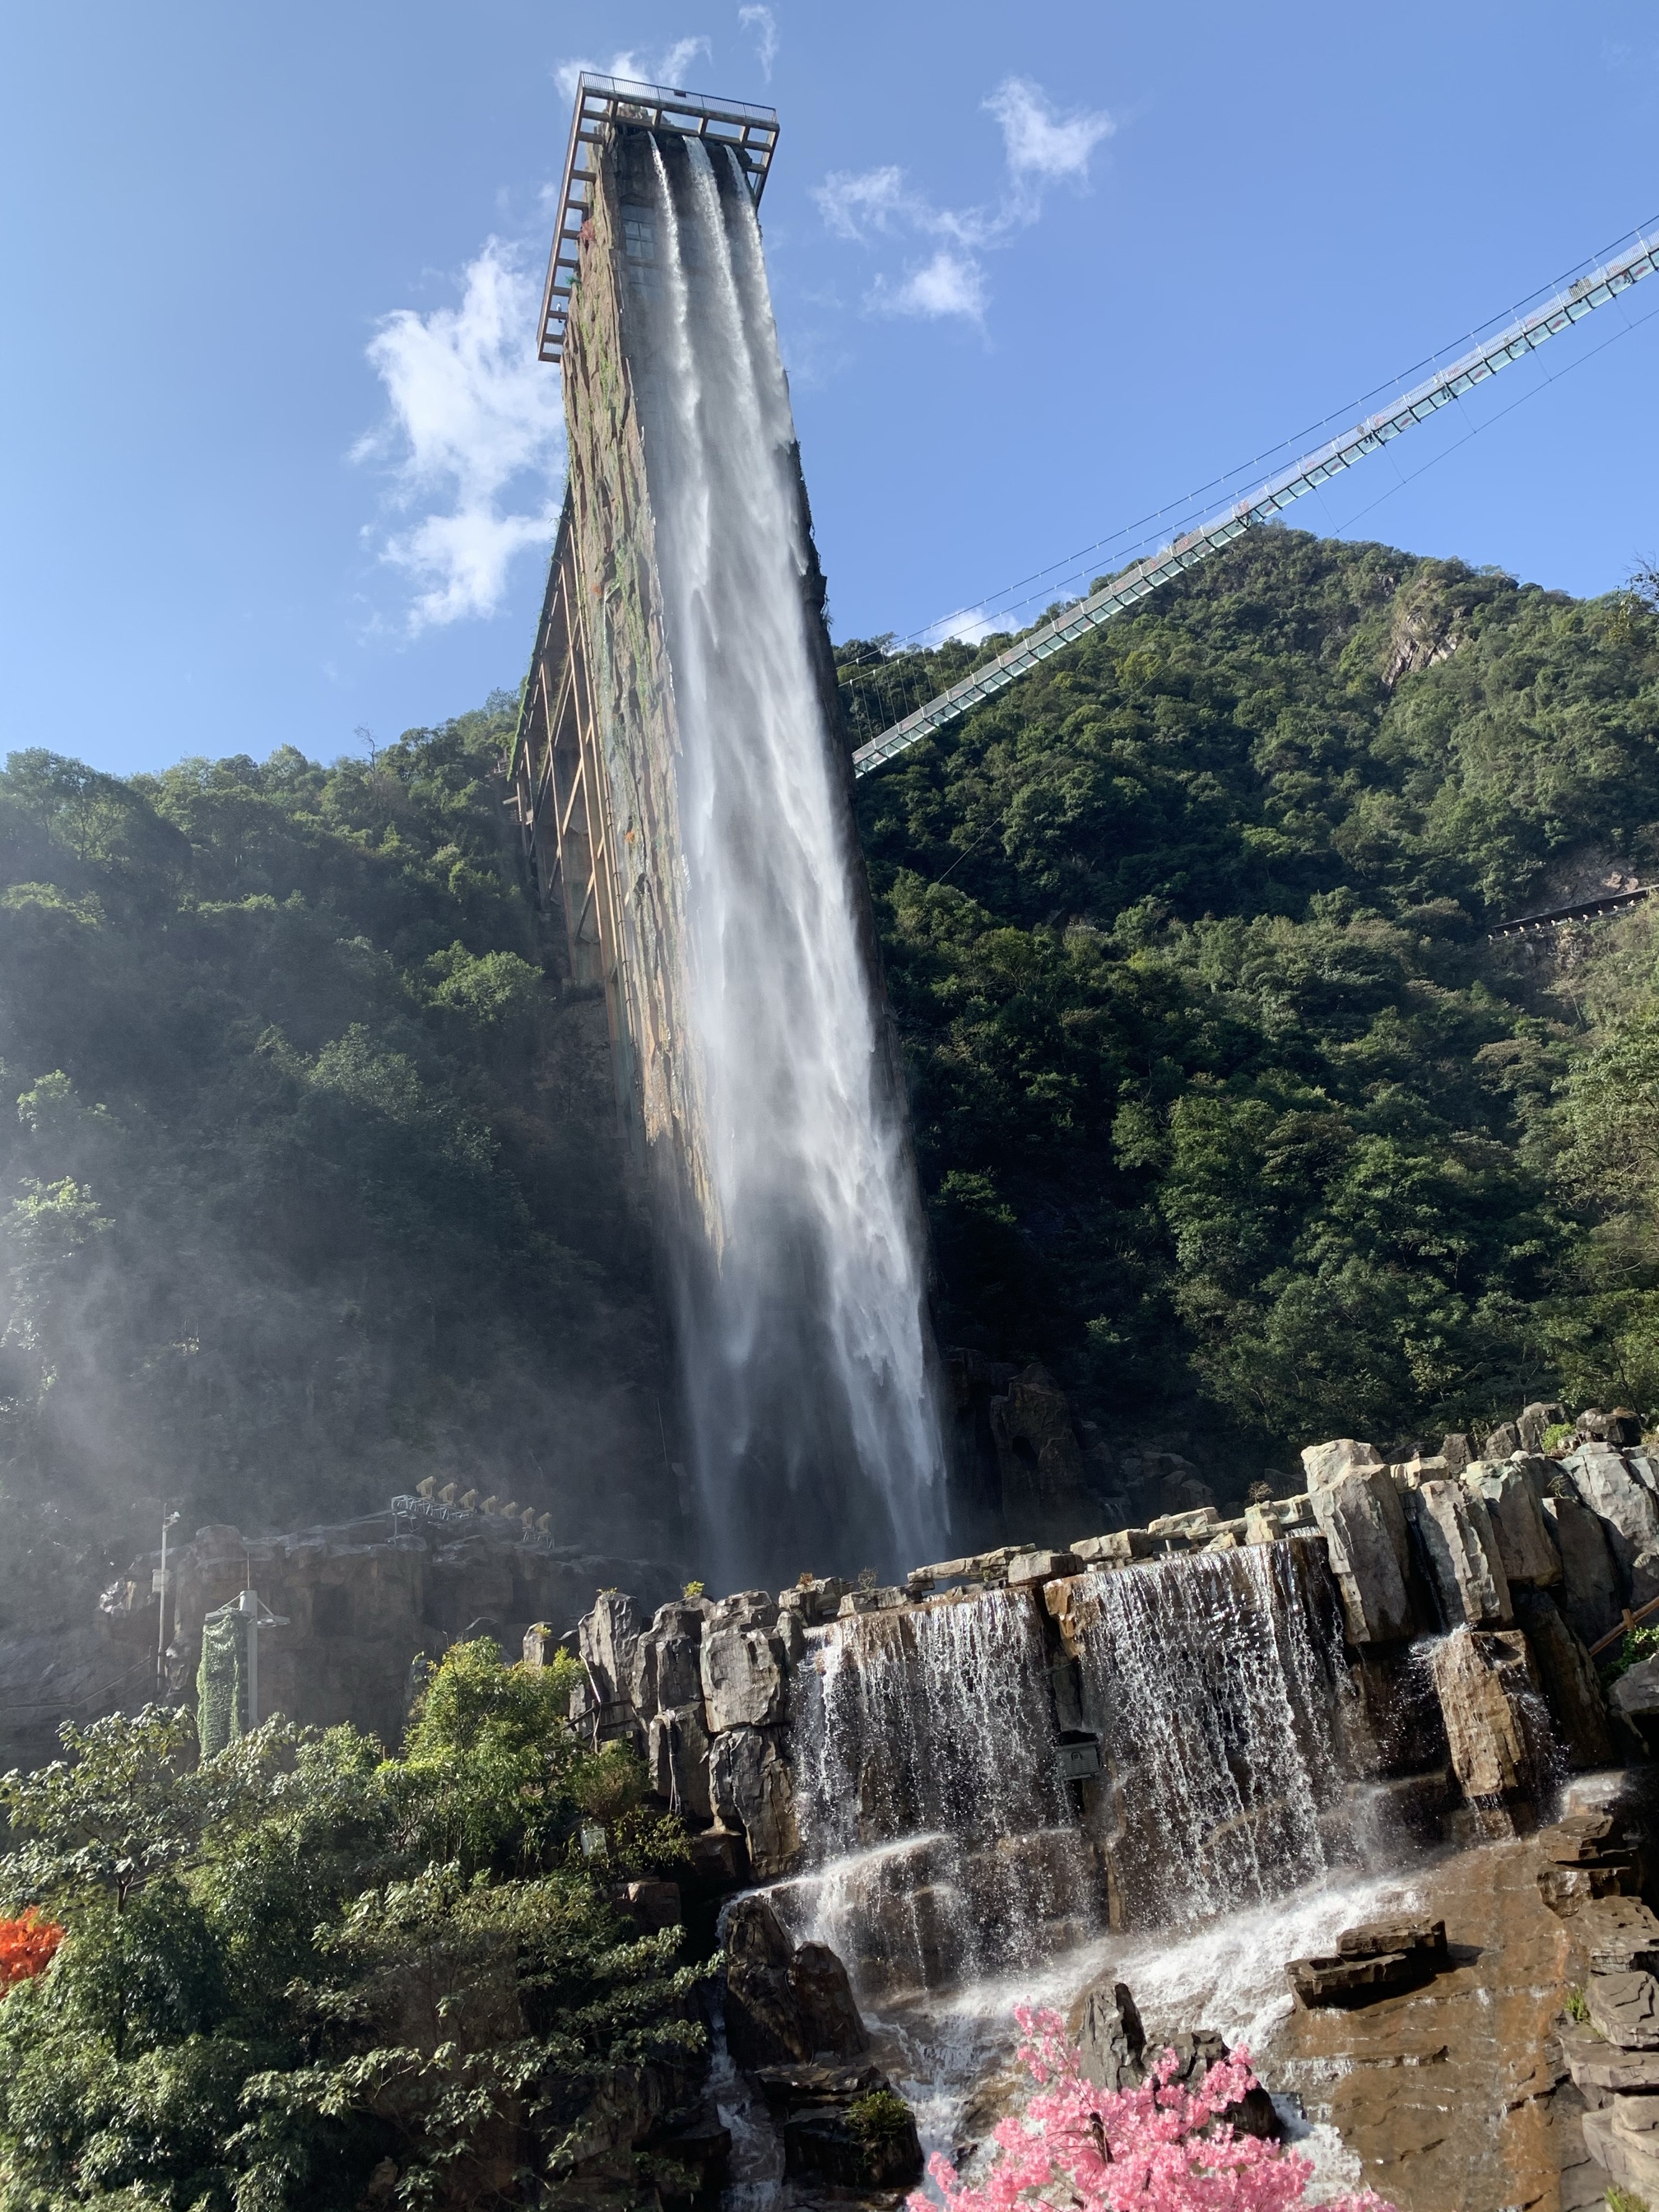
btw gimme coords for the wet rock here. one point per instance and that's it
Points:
(1571, 1688)
(719, 1861)
(1611, 1487)
(1196, 2051)
(1106, 2027)
(1359, 1515)
(1624, 2007)
(750, 1788)
(1512, 1493)
(784, 2000)
(1456, 1535)
(1489, 1698)
(867, 2146)
(801, 2082)
(1327, 1463)
(1373, 1960)
(1589, 1594)
(743, 1676)
(676, 1752)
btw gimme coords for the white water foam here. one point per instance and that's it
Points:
(803, 1339)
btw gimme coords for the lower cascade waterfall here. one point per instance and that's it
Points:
(1217, 1687)
(943, 1847)
(803, 1327)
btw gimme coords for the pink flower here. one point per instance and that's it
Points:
(1161, 2147)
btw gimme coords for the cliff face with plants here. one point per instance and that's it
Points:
(1227, 1106)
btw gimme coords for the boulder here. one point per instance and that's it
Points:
(1595, 2065)
(1572, 1690)
(1456, 1535)
(1198, 2049)
(1119, 1549)
(817, 1598)
(1501, 1441)
(664, 1670)
(1589, 1594)
(1490, 1702)
(1513, 1494)
(1456, 1451)
(1196, 1523)
(1359, 1515)
(1269, 1518)
(1624, 2008)
(676, 1752)
(1615, 1492)
(860, 2148)
(1029, 1567)
(745, 1609)
(783, 2001)
(749, 1788)
(743, 1677)
(1110, 2039)
(1328, 1463)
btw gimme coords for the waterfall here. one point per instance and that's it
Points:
(802, 1325)
(1217, 1685)
(943, 1846)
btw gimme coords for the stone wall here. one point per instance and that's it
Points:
(359, 1606)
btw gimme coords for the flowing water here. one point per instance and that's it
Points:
(1217, 1685)
(803, 1330)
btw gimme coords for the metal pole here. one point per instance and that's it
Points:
(249, 1603)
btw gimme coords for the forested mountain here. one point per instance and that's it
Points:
(1219, 1083)
(1226, 1106)
(308, 1171)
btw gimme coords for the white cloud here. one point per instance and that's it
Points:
(1039, 143)
(949, 284)
(969, 625)
(476, 428)
(667, 68)
(852, 200)
(765, 24)
(1040, 148)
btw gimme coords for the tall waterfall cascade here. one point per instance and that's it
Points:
(684, 706)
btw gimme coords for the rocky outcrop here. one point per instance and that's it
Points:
(676, 1755)
(1110, 2039)
(784, 2000)
(1589, 1594)
(1359, 1513)
(749, 1789)
(1623, 1491)
(743, 1673)
(1512, 1493)
(1324, 1464)
(1567, 1673)
(1489, 1696)
(1455, 1533)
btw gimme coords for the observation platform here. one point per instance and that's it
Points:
(751, 132)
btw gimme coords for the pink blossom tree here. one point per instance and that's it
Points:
(1161, 2147)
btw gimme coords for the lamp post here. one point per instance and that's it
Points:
(168, 1521)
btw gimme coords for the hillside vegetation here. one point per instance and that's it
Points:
(309, 1179)
(1227, 1110)
(1218, 1085)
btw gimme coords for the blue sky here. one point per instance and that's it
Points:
(278, 465)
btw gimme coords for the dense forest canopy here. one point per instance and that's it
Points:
(1227, 1110)
(1219, 1083)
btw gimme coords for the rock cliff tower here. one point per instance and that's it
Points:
(683, 789)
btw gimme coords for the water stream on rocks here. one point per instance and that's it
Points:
(957, 1875)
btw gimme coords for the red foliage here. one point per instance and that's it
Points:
(26, 1948)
